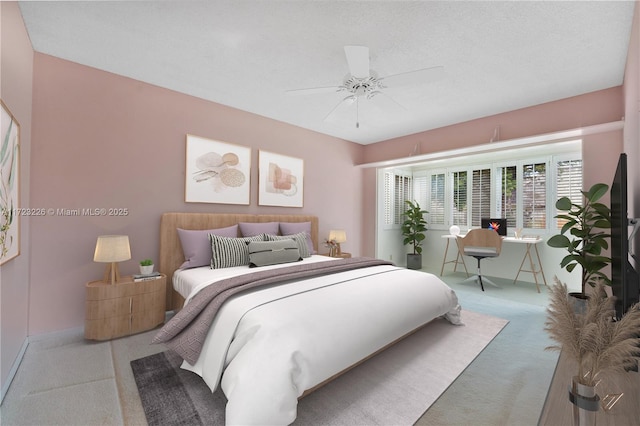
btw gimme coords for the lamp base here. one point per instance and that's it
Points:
(111, 273)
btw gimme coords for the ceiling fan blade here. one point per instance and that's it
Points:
(314, 90)
(386, 104)
(338, 113)
(421, 76)
(358, 60)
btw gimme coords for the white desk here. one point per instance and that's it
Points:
(529, 244)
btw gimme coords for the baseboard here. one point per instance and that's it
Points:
(14, 369)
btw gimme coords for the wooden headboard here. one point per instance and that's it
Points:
(171, 255)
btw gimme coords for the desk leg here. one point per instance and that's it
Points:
(532, 266)
(458, 259)
(444, 259)
(544, 279)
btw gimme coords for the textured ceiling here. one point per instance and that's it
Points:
(497, 56)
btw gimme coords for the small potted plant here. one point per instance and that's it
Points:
(587, 228)
(146, 266)
(413, 229)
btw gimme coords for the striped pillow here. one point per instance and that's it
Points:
(300, 238)
(228, 252)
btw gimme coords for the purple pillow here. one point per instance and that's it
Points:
(251, 229)
(196, 246)
(291, 228)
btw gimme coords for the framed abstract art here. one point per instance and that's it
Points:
(9, 182)
(281, 180)
(217, 172)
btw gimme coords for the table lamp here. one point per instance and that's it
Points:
(339, 236)
(112, 249)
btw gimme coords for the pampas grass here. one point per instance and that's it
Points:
(593, 339)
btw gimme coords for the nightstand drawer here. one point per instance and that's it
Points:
(107, 328)
(124, 308)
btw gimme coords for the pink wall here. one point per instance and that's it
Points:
(593, 108)
(102, 140)
(16, 92)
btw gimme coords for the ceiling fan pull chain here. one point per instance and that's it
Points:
(357, 113)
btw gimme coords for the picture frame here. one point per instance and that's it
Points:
(217, 172)
(9, 186)
(281, 180)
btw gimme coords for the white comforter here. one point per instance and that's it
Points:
(266, 347)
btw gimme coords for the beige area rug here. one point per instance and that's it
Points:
(395, 387)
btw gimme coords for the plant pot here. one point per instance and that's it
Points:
(579, 302)
(146, 270)
(414, 261)
(586, 403)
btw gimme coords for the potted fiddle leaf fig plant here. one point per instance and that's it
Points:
(413, 229)
(585, 236)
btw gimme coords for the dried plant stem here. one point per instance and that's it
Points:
(593, 339)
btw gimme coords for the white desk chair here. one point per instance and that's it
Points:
(480, 243)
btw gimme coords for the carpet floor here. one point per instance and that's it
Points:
(395, 387)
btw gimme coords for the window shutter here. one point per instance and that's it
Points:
(534, 196)
(568, 183)
(507, 199)
(459, 194)
(388, 198)
(436, 201)
(480, 196)
(402, 194)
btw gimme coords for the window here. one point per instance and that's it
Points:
(436, 197)
(500, 184)
(569, 184)
(459, 198)
(534, 196)
(507, 195)
(480, 196)
(520, 185)
(397, 190)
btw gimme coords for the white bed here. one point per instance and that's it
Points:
(268, 346)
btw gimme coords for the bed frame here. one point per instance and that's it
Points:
(171, 255)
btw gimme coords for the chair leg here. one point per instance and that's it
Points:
(480, 275)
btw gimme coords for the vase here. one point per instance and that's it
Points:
(585, 403)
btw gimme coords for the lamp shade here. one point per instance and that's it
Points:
(112, 248)
(338, 235)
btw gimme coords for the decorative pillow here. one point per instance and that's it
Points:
(250, 229)
(227, 252)
(300, 239)
(291, 228)
(196, 246)
(263, 253)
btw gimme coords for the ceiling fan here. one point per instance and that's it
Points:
(364, 85)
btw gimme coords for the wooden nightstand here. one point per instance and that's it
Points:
(125, 308)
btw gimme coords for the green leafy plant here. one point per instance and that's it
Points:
(583, 235)
(414, 226)
(146, 262)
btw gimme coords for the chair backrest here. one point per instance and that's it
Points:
(481, 238)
